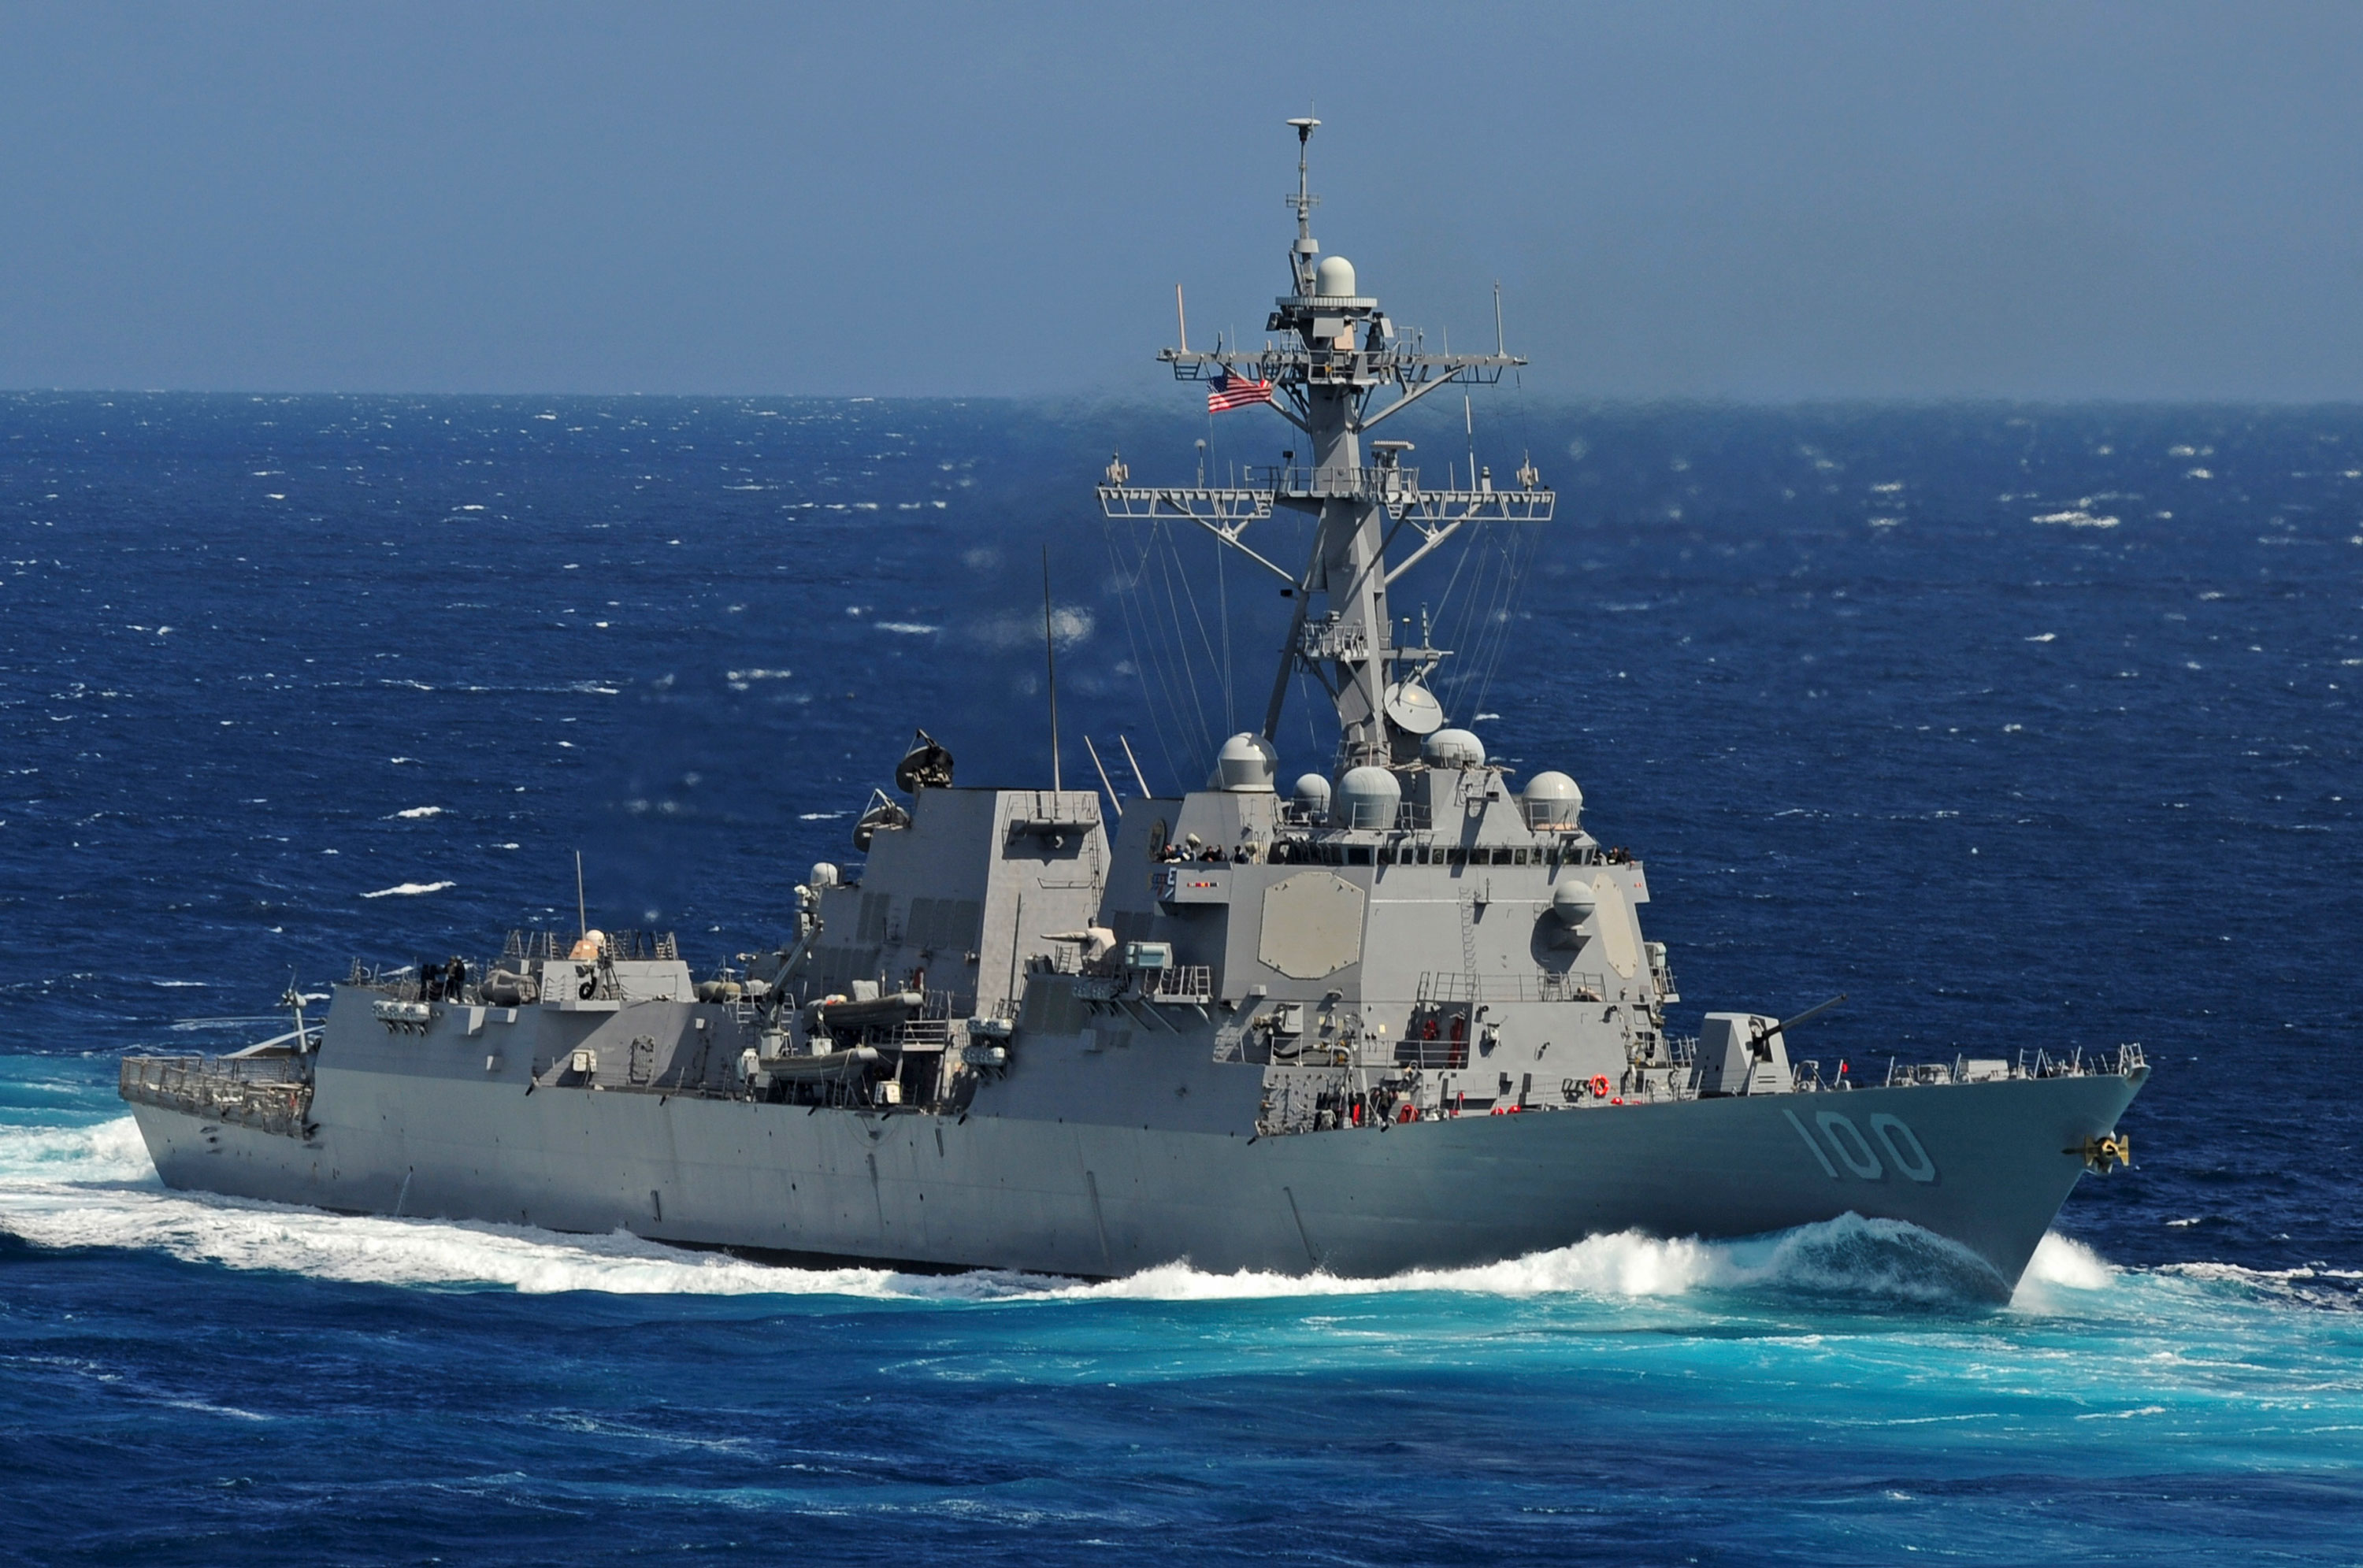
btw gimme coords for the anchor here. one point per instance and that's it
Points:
(2105, 1152)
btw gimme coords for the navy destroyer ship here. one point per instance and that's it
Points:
(1398, 1015)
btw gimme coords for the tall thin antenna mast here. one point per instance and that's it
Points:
(582, 916)
(1105, 782)
(1335, 400)
(1050, 662)
(1182, 317)
(1499, 351)
(1468, 423)
(1300, 256)
(1145, 791)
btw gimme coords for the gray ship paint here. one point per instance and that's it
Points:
(1403, 1016)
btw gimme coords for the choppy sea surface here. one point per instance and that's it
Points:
(2023, 727)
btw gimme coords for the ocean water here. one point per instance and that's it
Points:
(2023, 727)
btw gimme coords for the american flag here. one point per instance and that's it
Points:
(1227, 391)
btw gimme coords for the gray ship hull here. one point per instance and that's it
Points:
(1986, 1166)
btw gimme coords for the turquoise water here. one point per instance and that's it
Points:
(272, 696)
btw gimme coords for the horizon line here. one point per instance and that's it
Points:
(1556, 400)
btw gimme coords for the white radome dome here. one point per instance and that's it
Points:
(1553, 801)
(1246, 764)
(1453, 748)
(1573, 902)
(1366, 798)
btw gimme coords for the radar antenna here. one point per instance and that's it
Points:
(1333, 352)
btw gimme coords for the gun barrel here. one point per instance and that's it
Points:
(1788, 1023)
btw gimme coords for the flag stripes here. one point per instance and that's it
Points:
(1227, 391)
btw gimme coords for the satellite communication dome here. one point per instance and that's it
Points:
(1573, 902)
(1246, 763)
(1453, 748)
(1366, 798)
(1334, 279)
(824, 874)
(1553, 801)
(1312, 795)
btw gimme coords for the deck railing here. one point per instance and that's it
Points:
(271, 1094)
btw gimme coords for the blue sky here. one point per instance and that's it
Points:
(1761, 202)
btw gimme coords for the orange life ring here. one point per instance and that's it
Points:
(1409, 1113)
(1600, 1085)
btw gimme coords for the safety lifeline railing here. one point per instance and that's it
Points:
(1182, 983)
(268, 1093)
(1452, 988)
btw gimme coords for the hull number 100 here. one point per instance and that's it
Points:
(1843, 1146)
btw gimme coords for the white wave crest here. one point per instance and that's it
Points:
(107, 1152)
(1625, 1265)
(2061, 1270)
(2069, 1263)
(418, 812)
(409, 890)
(2312, 1286)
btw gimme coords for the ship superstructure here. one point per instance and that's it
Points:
(1399, 1013)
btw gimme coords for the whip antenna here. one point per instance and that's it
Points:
(1050, 662)
(1137, 779)
(1105, 782)
(1468, 423)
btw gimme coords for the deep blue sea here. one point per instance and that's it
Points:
(2022, 726)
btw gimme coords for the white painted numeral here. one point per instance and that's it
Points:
(1916, 1165)
(1842, 1132)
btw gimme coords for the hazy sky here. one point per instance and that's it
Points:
(2140, 201)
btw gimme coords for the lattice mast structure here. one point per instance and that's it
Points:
(1334, 353)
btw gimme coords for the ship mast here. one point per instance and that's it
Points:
(1335, 353)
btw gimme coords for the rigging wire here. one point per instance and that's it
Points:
(1161, 654)
(1180, 650)
(1306, 705)
(1170, 559)
(1222, 590)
